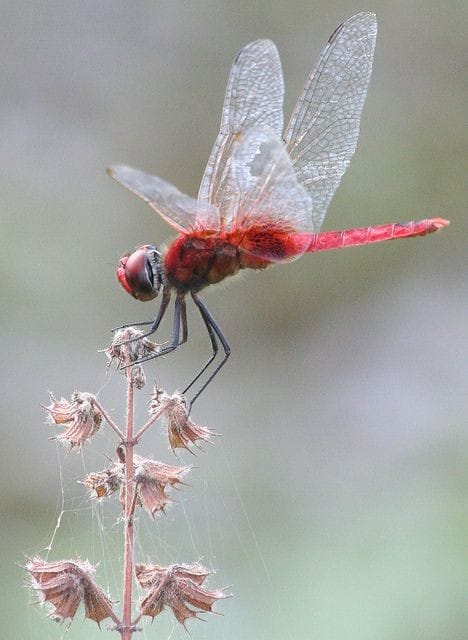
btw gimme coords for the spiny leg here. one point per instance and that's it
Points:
(211, 323)
(154, 323)
(183, 317)
(162, 310)
(175, 339)
(179, 309)
(214, 348)
(132, 324)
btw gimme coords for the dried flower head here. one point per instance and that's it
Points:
(176, 586)
(182, 431)
(152, 478)
(80, 415)
(104, 483)
(64, 584)
(129, 346)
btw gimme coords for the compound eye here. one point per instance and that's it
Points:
(137, 273)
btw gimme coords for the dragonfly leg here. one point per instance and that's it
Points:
(214, 332)
(214, 349)
(132, 324)
(179, 312)
(183, 318)
(154, 323)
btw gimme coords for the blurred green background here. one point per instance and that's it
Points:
(335, 501)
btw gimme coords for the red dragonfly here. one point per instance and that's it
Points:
(264, 193)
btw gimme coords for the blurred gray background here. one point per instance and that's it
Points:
(335, 501)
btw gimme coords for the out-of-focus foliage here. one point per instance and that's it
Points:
(334, 503)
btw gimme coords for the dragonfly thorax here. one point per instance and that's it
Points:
(194, 261)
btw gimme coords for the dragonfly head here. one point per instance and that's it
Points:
(140, 272)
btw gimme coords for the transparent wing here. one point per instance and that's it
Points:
(324, 128)
(254, 97)
(179, 210)
(269, 199)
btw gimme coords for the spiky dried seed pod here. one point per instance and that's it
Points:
(176, 586)
(130, 346)
(104, 483)
(80, 415)
(182, 431)
(152, 478)
(64, 584)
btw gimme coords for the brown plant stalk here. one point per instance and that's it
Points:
(65, 584)
(129, 510)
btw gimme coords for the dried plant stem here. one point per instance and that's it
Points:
(109, 420)
(113, 617)
(140, 481)
(157, 414)
(127, 628)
